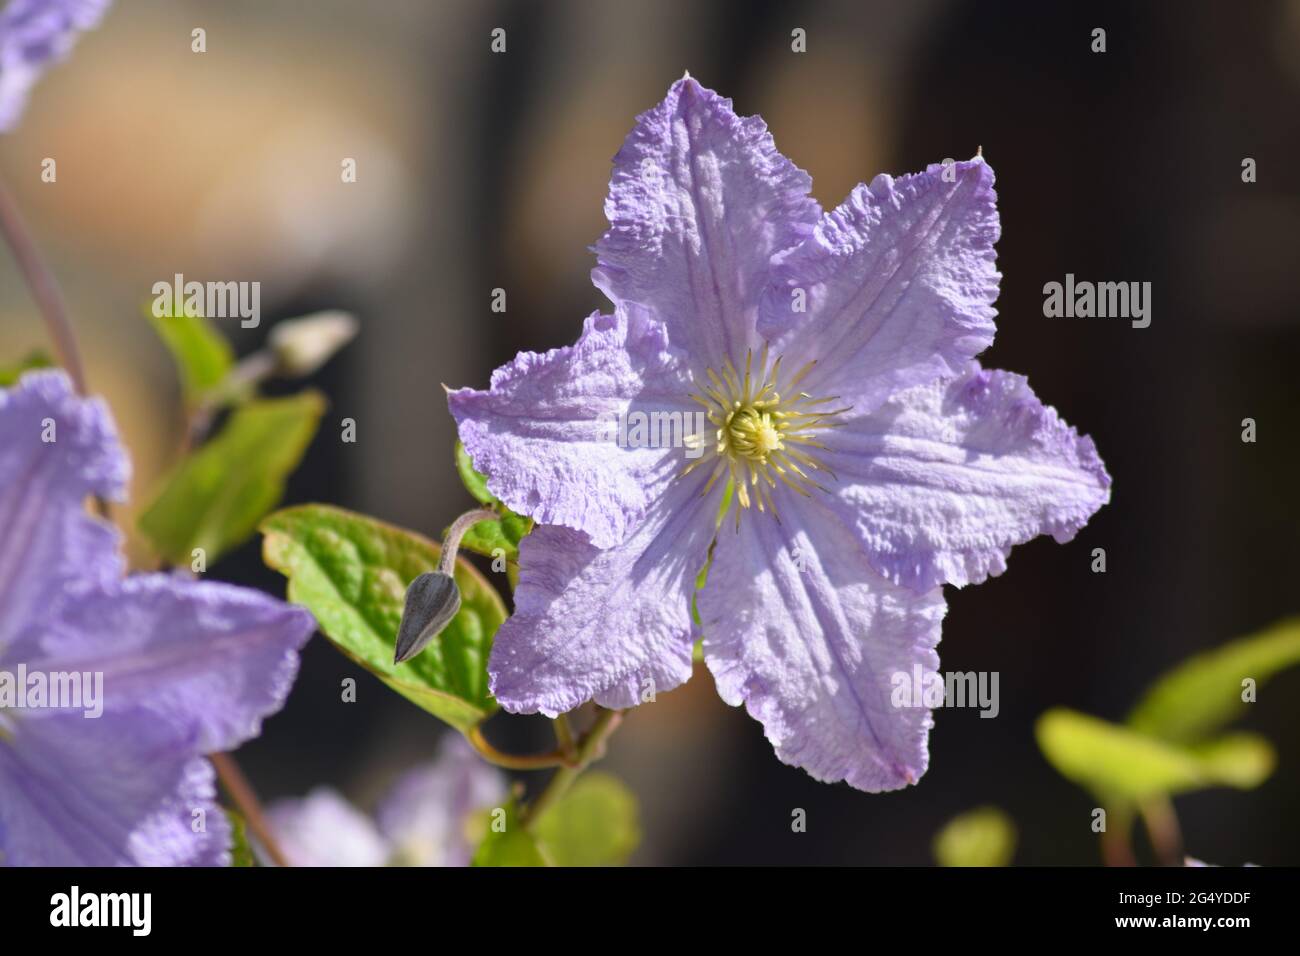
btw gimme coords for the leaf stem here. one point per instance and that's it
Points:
(590, 749)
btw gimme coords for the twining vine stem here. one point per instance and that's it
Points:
(570, 759)
(543, 761)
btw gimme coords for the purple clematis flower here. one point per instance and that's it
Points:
(35, 34)
(184, 668)
(425, 820)
(871, 460)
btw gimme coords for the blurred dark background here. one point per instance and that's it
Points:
(481, 170)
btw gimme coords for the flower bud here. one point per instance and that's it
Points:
(432, 601)
(303, 345)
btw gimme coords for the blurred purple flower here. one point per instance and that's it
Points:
(34, 34)
(426, 819)
(833, 355)
(188, 668)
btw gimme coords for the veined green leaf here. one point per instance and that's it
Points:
(352, 572)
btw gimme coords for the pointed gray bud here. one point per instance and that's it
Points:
(432, 601)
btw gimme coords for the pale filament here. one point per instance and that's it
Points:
(763, 431)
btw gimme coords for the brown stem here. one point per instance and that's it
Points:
(45, 290)
(1162, 826)
(241, 792)
(1116, 840)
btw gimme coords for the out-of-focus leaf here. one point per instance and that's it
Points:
(352, 572)
(596, 823)
(985, 836)
(511, 845)
(1204, 693)
(10, 374)
(202, 356)
(1239, 760)
(214, 499)
(475, 482)
(1117, 761)
(241, 851)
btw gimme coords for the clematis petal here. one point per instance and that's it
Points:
(945, 478)
(546, 433)
(106, 792)
(55, 449)
(897, 285)
(812, 653)
(427, 815)
(698, 202)
(323, 829)
(33, 35)
(208, 660)
(604, 624)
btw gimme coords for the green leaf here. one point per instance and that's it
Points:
(241, 851)
(214, 499)
(1117, 761)
(497, 536)
(596, 823)
(475, 482)
(1204, 693)
(202, 356)
(10, 374)
(985, 836)
(352, 572)
(509, 845)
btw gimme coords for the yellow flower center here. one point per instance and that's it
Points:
(763, 430)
